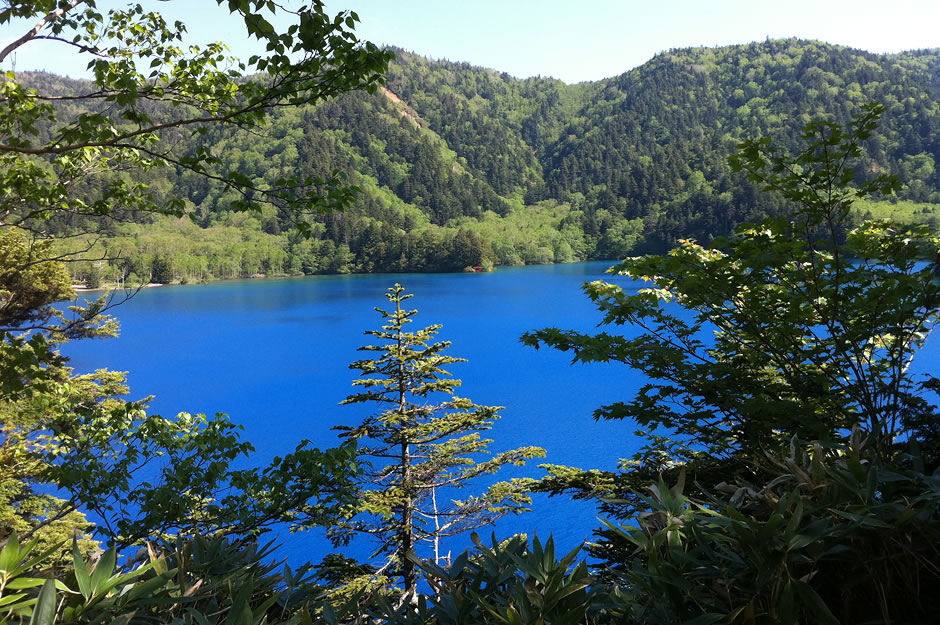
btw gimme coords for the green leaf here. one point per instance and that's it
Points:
(146, 588)
(800, 540)
(81, 572)
(44, 612)
(240, 614)
(705, 619)
(10, 555)
(103, 570)
(816, 605)
(31, 582)
(8, 599)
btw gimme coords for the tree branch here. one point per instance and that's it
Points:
(50, 17)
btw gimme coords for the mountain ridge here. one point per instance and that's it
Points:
(471, 166)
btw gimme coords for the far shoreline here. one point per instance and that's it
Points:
(81, 288)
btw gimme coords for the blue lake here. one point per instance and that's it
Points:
(274, 355)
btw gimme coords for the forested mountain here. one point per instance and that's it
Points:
(462, 166)
(784, 458)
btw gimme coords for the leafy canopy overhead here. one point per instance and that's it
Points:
(149, 92)
(71, 162)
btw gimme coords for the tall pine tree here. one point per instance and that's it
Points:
(422, 446)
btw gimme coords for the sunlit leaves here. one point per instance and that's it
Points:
(799, 325)
(422, 444)
(197, 581)
(184, 89)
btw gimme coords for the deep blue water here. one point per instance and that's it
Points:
(274, 355)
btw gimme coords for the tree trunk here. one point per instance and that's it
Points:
(409, 571)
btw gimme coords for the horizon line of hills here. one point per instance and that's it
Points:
(675, 50)
(463, 166)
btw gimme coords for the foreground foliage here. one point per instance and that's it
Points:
(199, 581)
(814, 325)
(825, 535)
(72, 164)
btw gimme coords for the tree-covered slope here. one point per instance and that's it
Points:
(498, 124)
(654, 143)
(462, 166)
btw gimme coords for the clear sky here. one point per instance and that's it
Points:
(573, 41)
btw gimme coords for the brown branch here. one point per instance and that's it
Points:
(81, 48)
(130, 135)
(52, 16)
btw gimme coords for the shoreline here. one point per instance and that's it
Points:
(80, 288)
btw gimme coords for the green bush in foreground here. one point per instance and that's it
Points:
(813, 328)
(830, 536)
(197, 582)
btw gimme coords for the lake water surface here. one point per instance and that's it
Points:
(274, 355)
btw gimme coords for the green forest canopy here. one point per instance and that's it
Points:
(814, 499)
(460, 166)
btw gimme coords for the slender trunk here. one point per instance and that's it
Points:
(409, 571)
(35, 30)
(437, 528)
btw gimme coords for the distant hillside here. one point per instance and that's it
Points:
(462, 166)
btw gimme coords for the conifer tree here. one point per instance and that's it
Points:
(422, 446)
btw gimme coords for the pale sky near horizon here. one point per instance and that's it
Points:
(573, 41)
